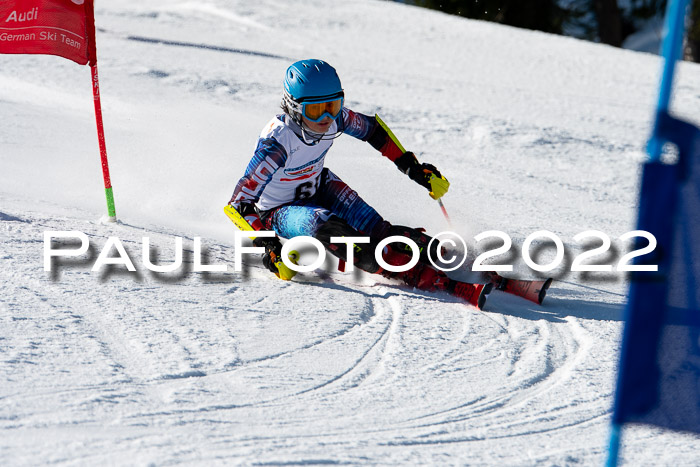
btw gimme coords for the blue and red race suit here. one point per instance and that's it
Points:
(293, 193)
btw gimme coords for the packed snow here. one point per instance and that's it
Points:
(534, 131)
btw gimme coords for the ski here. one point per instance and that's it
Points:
(424, 277)
(533, 290)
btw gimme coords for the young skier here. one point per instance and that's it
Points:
(286, 187)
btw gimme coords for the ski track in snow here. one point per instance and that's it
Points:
(152, 362)
(241, 368)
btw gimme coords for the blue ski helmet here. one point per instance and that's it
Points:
(310, 81)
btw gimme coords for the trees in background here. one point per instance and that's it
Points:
(606, 21)
(541, 15)
(610, 21)
(692, 51)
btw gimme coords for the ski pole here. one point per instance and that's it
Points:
(444, 212)
(402, 149)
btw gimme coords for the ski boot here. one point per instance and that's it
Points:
(424, 277)
(535, 291)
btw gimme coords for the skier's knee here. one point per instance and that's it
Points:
(417, 235)
(363, 253)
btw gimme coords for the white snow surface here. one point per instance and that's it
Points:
(535, 132)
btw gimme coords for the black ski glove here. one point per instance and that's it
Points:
(421, 174)
(426, 175)
(273, 251)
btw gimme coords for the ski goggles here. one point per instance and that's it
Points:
(317, 111)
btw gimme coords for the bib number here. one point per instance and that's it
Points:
(306, 189)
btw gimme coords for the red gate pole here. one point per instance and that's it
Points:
(103, 147)
(92, 61)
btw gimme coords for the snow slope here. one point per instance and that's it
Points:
(534, 132)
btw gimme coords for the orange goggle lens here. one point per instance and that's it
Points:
(317, 111)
